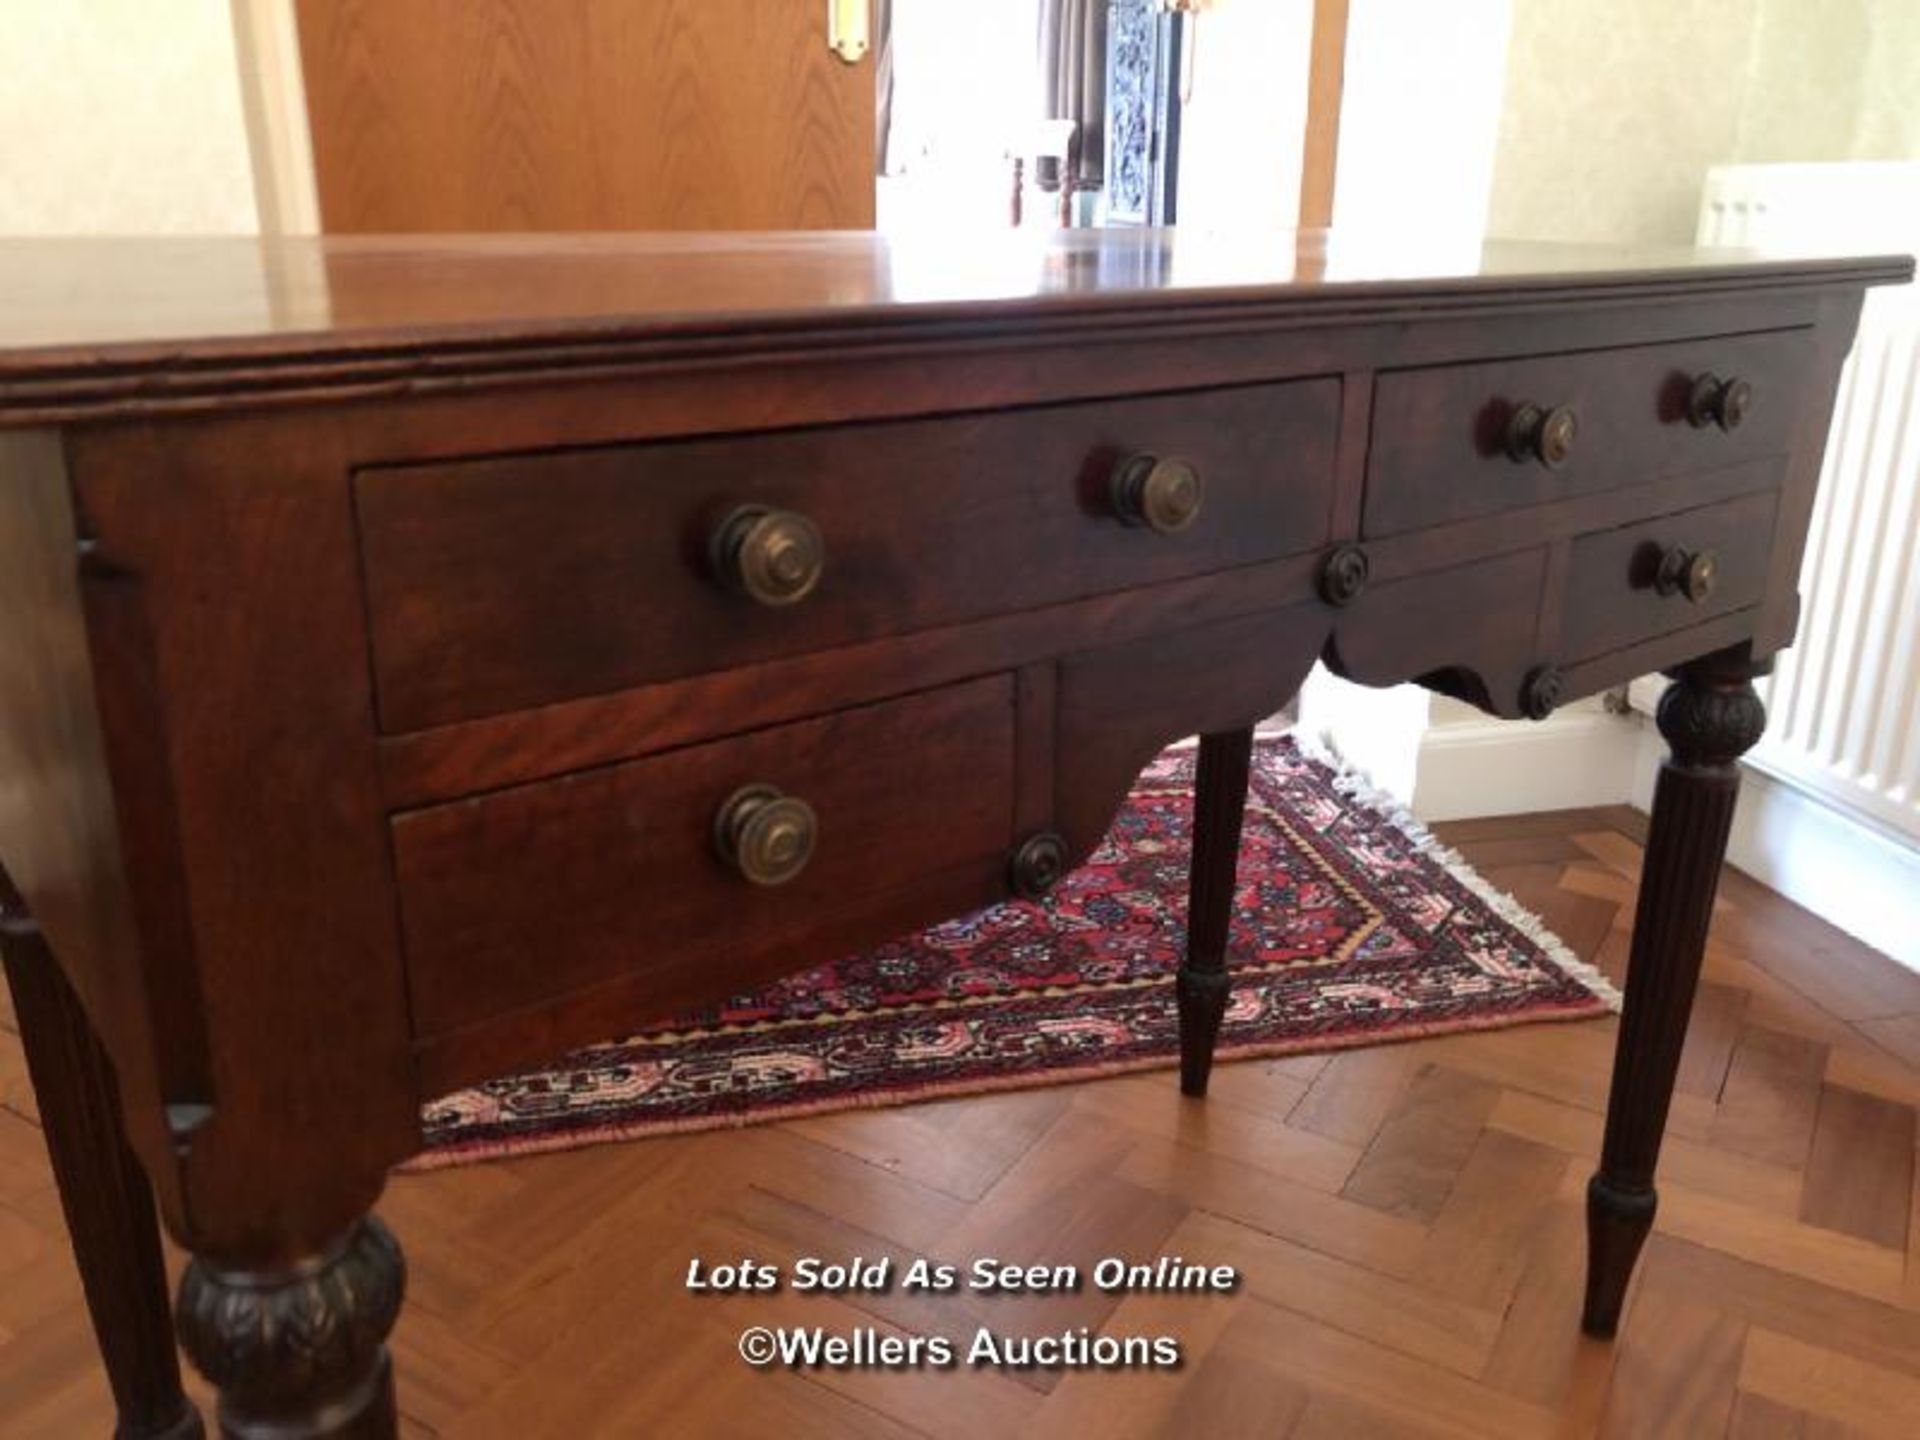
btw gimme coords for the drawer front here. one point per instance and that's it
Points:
(498, 585)
(1440, 440)
(1649, 579)
(529, 894)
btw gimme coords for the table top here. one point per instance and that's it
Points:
(162, 315)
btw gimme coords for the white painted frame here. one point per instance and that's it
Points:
(273, 95)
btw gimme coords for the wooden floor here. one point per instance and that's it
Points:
(1407, 1220)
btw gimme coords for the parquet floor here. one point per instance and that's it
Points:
(1407, 1220)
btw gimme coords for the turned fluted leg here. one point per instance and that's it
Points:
(103, 1190)
(300, 1349)
(1219, 799)
(1710, 716)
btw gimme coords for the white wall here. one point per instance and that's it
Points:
(1243, 125)
(1839, 80)
(1420, 116)
(1615, 109)
(1613, 113)
(122, 117)
(964, 97)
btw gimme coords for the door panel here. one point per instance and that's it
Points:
(436, 115)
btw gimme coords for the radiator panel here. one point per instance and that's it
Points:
(1844, 702)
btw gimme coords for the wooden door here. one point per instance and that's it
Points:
(434, 115)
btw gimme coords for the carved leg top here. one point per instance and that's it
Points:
(299, 1350)
(1711, 715)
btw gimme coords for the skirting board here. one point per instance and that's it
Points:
(1582, 756)
(1849, 871)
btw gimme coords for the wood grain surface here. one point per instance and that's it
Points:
(592, 870)
(465, 115)
(501, 585)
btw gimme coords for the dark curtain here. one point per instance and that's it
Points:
(1073, 76)
(882, 82)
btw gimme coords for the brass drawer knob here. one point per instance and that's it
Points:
(1162, 494)
(1037, 865)
(1714, 401)
(774, 557)
(1536, 433)
(1541, 691)
(766, 836)
(1343, 574)
(1692, 573)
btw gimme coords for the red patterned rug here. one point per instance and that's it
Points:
(1352, 927)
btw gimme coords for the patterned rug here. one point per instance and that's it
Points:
(1352, 926)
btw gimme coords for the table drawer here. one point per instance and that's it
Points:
(1440, 448)
(528, 894)
(1657, 576)
(502, 584)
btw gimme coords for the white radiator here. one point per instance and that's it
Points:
(1844, 702)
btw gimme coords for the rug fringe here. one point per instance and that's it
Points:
(1352, 781)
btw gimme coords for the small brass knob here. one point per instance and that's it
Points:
(1343, 574)
(774, 557)
(1036, 867)
(1692, 573)
(1162, 494)
(1541, 691)
(1714, 401)
(767, 836)
(1536, 433)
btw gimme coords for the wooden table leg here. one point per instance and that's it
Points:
(1709, 716)
(1219, 801)
(300, 1348)
(105, 1193)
